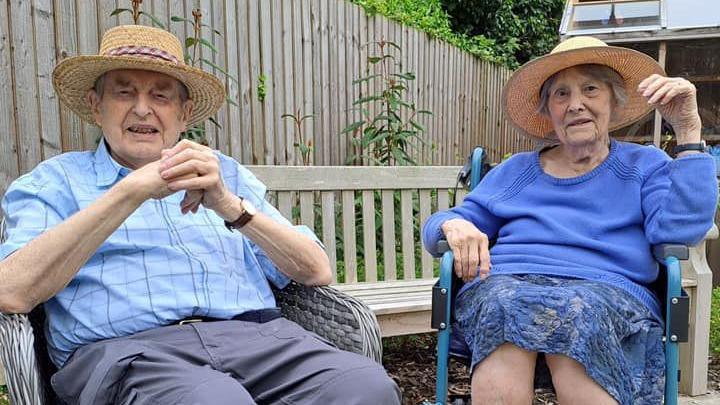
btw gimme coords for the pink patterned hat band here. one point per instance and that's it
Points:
(142, 51)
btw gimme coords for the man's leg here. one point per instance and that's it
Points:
(161, 366)
(286, 364)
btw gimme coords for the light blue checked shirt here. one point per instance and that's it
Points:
(157, 267)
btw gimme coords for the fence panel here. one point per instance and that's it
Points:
(288, 56)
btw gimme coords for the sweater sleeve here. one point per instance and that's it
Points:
(679, 198)
(474, 208)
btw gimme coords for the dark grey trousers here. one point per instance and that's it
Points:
(229, 362)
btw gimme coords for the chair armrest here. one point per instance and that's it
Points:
(17, 353)
(661, 252)
(335, 316)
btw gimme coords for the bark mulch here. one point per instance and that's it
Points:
(410, 361)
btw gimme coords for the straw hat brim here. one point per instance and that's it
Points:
(521, 94)
(73, 77)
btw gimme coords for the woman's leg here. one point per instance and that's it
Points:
(572, 384)
(505, 377)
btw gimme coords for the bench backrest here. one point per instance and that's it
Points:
(365, 213)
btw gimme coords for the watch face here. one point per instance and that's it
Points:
(248, 207)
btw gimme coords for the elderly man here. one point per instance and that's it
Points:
(152, 258)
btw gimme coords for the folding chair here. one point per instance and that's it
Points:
(676, 308)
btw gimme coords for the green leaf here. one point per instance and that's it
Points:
(190, 42)
(231, 101)
(364, 100)
(424, 112)
(208, 44)
(352, 127)
(217, 124)
(417, 125)
(154, 20)
(213, 65)
(213, 29)
(118, 11)
(176, 18)
(365, 79)
(406, 75)
(394, 45)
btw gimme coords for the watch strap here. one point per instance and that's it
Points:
(243, 219)
(689, 146)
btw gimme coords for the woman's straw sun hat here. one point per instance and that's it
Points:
(521, 95)
(136, 47)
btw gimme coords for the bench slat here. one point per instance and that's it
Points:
(285, 204)
(328, 223)
(443, 200)
(385, 284)
(326, 178)
(368, 217)
(349, 243)
(307, 209)
(406, 230)
(426, 259)
(388, 231)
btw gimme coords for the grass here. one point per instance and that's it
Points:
(3, 395)
(715, 322)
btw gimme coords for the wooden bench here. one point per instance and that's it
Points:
(400, 295)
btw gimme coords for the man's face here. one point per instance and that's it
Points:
(140, 113)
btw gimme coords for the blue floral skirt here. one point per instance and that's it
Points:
(602, 327)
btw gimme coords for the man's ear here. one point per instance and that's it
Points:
(187, 110)
(93, 100)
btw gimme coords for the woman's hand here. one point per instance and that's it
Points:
(470, 248)
(676, 100)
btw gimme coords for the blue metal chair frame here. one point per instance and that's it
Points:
(676, 308)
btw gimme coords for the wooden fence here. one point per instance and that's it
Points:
(308, 51)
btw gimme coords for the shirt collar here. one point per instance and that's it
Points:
(108, 171)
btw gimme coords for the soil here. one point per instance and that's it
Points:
(410, 361)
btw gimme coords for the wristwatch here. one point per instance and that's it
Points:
(248, 213)
(689, 146)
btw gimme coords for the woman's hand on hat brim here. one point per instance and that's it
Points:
(676, 100)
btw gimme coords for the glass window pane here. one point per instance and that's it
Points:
(692, 13)
(590, 16)
(637, 14)
(615, 15)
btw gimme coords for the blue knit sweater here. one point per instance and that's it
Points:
(598, 226)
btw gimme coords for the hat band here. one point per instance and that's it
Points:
(142, 51)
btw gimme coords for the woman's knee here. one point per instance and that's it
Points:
(572, 383)
(504, 377)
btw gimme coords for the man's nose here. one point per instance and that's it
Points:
(142, 106)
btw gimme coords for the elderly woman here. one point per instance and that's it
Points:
(573, 224)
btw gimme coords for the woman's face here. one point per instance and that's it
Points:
(580, 108)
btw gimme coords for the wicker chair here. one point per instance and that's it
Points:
(341, 319)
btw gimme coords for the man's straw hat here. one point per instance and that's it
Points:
(521, 95)
(136, 47)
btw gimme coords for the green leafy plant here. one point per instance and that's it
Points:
(193, 56)
(384, 138)
(302, 143)
(262, 87)
(429, 17)
(136, 13)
